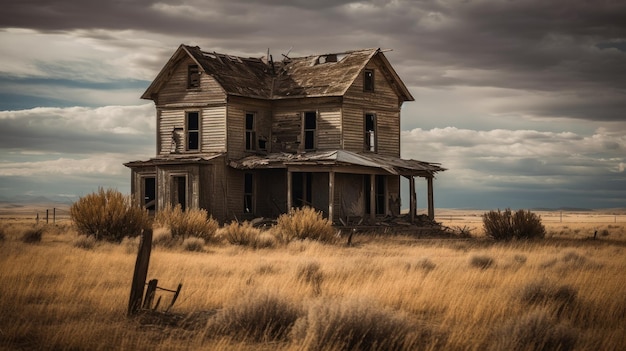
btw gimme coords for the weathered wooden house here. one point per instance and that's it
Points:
(247, 137)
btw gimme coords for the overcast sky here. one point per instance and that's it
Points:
(524, 102)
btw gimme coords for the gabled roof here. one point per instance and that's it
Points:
(391, 165)
(310, 76)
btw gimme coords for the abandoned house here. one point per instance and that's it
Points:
(250, 137)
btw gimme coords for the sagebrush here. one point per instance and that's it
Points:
(507, 225)
(108, 215)
(189, 223)
(304, 223)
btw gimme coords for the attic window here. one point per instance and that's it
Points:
(193, 77)
(368, 80)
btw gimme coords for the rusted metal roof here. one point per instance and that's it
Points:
(338, 158)
(311, 76)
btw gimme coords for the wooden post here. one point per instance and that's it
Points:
(431, 203)
(373, 198)
(47, 215)
(141, 272)
(54, 215)
(289, 181)
(150, 293)
(331, 195)
(413, 199)
(37, 218)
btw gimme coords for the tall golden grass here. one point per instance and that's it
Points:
(381, 293)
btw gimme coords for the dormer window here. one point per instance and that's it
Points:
(193, 77)
(368, 80)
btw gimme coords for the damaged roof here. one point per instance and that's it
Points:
(311, 76)
(175, 159)
(392, 165)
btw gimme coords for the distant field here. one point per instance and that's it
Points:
(385, 292)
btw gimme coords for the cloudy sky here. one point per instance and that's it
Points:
(523, 101)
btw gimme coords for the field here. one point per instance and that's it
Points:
(384, 292)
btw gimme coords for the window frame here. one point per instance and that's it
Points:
(366, 133)
(189, 132)
(250, 140)
(193, 76)
(369, 80)
(307, 131)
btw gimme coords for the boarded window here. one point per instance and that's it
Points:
(193, 130)
(250, 132)
(248, 193)
(370, 132)
(310, 124)
(368, 80)
(193, 77)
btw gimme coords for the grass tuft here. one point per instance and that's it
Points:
(32, 235)
(481, 261)
(535, 331)
(305, 223)
(193, 244)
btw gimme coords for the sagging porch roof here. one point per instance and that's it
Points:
(175, 159)
(391, 165)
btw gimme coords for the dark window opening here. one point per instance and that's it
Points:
(250, 132)
(248, 193)
(301, 189)
(368, 80)
(179, 192)
(370, 132)
(149, 193)
(379, 196)
(193, 76)
(310, 124)
(193, 131)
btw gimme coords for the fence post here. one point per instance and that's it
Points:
(47, 216)
(141, 272)
(54, 215)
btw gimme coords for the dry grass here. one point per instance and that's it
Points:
(382, 293)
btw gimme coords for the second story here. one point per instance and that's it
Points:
(217, 103)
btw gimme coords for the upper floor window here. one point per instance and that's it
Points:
(193, 130)
(368, 80)
(193, 77)
(250, 131)
(370, 132)
(310, 124)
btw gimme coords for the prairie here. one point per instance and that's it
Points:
(384, 292)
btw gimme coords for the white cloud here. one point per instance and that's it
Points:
(101, 165)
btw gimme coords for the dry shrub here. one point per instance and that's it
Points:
(2, 233)
(304, 223)
(163, 237)
(310, 273)
(507, 225)
(481, 261)
(424, 264)
(258, 316)
(193, 244)
(32, 235)
(535, 331)
(84, 242)
(108, 215)
(356, 325)
(553, 296)
(189, 223)
(243, 234)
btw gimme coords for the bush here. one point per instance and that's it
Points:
(162, 237)
(260, 317)
(304, 223)
(193, 244)
(108, 215)
(189, 223)
(355, 325)
(2, 234)
(534, 331)
(507, 225)
(243, 234)
(481, 261)
(32, 235)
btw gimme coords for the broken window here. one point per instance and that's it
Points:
(193, 77)
(368, 80)
(178, 191)
(250, 132)
(370, 132)
(302, 189)
(193, 130)
(248, 193)
(379, 194)
(310, 124)
(149, 193)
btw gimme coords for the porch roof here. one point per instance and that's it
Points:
(337, 158)
(175, 159)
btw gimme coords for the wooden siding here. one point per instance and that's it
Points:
(175, 90)
(383, 102)
(212, 128)
(237, 108)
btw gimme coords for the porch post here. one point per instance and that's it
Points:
(331, 195)
(372, 198)
(431, 205)
(413, 202)
(289, 204)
